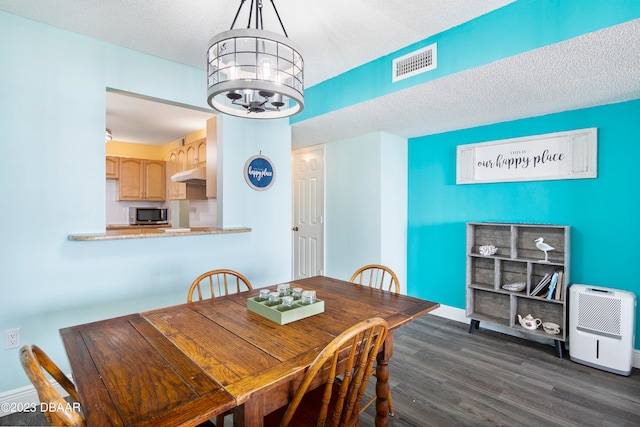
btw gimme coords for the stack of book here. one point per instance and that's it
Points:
(550, 286)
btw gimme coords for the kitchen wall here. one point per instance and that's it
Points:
(53, 118)
(602, 212)
(202, 213)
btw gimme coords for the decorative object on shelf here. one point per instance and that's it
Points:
(487, 250)
(514, 287)
(529, 322)
(551, 328)
(255, 73)
(259, 172)
(540, 244)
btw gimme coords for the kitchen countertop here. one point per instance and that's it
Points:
(146, 232)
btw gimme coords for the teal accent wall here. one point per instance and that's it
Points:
(603, 212)
(518, 27)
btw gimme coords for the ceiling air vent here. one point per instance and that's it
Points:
(415, 63)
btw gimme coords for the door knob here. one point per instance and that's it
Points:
(295, 228)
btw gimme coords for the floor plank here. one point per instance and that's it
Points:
(443, 376)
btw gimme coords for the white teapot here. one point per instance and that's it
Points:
(529, 322)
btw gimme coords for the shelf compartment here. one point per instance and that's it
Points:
(537, 273)
(482, 271)
(498, 235)
(525, 246)
(511, 272)
(544, 310)
(489, 305)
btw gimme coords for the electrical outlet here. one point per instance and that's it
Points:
(12, 338)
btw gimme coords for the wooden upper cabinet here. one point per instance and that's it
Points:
(201, 150)
(154, 180)
(177, 190)
(192, 158)
(142, 179)
(196, 154)
(113, 167)
(181, 159)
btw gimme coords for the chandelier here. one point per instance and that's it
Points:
(255, 73)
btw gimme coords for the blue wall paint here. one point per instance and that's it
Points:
(603, 212)
(365, 204)
(52, 120)
(518, 27)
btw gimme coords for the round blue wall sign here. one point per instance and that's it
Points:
(259, 172)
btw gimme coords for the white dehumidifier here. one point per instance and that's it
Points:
(602, 328)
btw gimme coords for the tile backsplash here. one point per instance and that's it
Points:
(202, 213)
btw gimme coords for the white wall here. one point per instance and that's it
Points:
(52, 120)
(366, 204)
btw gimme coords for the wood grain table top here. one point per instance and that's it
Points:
(184, 364)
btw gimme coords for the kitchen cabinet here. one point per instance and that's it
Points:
(177, 190)
(196, 154)
(112, 167)
(142, 179)
(201, 152)
(189, 156)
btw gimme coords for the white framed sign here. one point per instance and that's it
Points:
(259, 172)
(560, 155)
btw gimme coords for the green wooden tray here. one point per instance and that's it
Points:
(298, 311)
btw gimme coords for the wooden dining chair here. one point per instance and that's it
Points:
(380, 277)
(34, 360)
(221, 282)
(342, 369)
(376, 276)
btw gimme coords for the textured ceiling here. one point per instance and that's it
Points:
(337, 35)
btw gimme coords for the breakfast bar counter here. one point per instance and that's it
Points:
(154, 232)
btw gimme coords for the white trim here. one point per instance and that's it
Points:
(458, 314)
(24, 397)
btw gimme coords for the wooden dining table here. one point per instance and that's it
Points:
(184, 364)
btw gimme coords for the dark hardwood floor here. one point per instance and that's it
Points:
(443, 376)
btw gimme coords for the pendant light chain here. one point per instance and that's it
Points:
(280, 20)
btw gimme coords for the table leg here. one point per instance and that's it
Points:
(382, 382)
(249, 414)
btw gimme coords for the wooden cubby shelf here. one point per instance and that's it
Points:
(517, 260)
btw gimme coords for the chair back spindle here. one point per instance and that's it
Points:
(217, 283)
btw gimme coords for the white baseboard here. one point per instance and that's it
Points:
(458, 314)
(23, 399)
(26, 397)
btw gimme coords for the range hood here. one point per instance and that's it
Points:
(191, 176)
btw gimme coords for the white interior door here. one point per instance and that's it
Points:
(308, 212)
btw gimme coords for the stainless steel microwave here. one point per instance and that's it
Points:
(141, 216)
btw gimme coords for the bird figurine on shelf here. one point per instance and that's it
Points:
(540, 244)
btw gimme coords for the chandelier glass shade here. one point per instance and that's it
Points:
(255, 73)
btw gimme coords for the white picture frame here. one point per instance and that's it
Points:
(560, 155)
